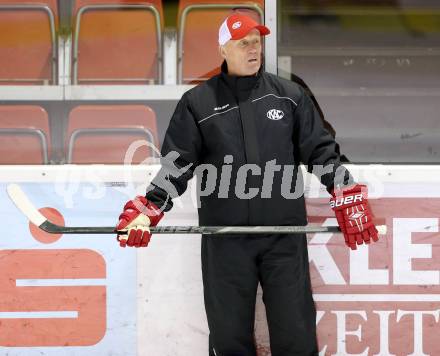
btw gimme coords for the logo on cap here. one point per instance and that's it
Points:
(236, 25)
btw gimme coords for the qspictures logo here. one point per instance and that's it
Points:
(382, 299)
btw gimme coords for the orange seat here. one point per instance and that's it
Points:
(104, 133)
(24, 132)
(117, 42)
(27, 42)
(198, 24)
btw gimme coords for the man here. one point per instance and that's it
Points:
(247, 122)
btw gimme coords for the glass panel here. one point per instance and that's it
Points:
(374, 69)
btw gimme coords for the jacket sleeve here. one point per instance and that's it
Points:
(180, 155)
(316, 147)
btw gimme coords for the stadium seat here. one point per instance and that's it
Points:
(117, 42)
(28, 53)
(104, 133)
(24, 132)
(198, 24)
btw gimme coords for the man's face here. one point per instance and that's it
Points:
(243, 56)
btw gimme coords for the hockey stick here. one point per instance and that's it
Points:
(28, 209)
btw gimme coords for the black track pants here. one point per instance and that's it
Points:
(232, 268)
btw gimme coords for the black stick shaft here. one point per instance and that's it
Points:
(52, 228)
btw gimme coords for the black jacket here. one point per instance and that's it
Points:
(255, 120)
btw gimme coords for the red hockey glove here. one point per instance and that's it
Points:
(138, 215)
(354, 215)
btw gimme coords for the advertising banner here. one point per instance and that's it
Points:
(84, 295)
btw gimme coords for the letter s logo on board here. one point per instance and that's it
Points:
(52, 315)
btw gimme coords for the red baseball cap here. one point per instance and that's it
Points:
(237, 26)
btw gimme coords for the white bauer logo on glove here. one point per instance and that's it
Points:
(347, 200)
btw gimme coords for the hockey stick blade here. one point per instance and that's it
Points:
(22, 202)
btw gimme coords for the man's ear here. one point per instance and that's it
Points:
(222, 51)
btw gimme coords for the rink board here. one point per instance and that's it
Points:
(83, 295)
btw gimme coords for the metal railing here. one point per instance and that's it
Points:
(108, 131)
(146, 7)
(30, 131)
(53, 39)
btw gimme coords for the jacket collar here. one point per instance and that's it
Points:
(239, 83)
